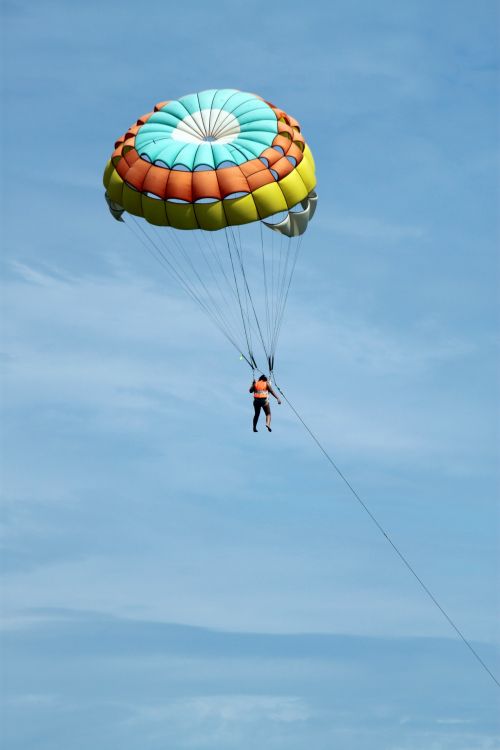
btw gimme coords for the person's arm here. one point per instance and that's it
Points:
(252, 387)
(269, 388)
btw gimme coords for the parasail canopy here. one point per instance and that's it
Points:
(212, 161)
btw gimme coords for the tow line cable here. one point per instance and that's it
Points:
(387, 537)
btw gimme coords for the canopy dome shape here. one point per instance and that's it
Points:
(210, 160)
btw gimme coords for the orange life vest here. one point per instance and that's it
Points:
(260, 389)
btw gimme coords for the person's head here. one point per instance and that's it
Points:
(263, 377)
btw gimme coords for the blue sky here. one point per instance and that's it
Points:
(170, 579)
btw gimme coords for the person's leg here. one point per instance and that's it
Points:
(267, 412)
(256, 409)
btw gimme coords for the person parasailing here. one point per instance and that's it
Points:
(261, 389)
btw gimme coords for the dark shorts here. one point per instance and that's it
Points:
(261, 403)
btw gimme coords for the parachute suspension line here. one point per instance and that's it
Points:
(281, 315)
(273, 238)
(205, 255)
(210, 301)
(279, 268)
(246, 287)
(216, 257)
(170, 266)
(158, 255)
(208, 298)
(266, 292)
(187, 258)
(210, 253)
(282, 268)
(388, 539)
(152, 248)
(230, 284)
(224, 301)
(212, 245)
(245, 293)
(221, 288)
(239, 252)
(280, 275)
(234, 287)
(249, 347)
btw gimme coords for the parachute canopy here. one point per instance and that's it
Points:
(212, 161)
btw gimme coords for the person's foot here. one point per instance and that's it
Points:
(268, 428)
(255, 429)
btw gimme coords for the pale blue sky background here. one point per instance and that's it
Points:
(171, 580)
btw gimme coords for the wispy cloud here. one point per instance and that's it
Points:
(204, 688)
(33, 700)
(227, 709)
